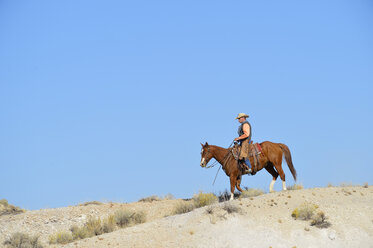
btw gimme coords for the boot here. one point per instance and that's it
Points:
(247, 165)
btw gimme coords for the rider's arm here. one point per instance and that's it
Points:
(246, 132)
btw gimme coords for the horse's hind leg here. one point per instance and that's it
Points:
(274, 174)
(238, 183)
(282, 175)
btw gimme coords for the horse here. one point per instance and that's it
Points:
(270, 159)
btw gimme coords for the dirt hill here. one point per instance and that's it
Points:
(262, 221)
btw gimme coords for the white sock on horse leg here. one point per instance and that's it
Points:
(283, 185)
(271, 186)
(232, 196)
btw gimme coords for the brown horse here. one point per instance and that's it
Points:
(270, 159)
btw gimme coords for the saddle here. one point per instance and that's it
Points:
(254, 151)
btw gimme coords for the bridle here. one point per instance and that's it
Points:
(225, 159)
(214, 163)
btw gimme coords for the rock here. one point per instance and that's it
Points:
(331, 235)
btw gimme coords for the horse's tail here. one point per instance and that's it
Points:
(287, 155)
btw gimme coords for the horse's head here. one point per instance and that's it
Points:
(206, 154)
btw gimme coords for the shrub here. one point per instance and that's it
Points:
(125, 218)
(204, 199)
(231, 208)
(94, 226)
(209, 210)
(80, 232)
(319, 220)
(304, 211)
(61, 237)
(295, 187)
(345, 184)
(6, 208)
(150, 199)
(225, 196)
(4, 202)
(109, 224)
(91, 203)
(184, 207)
(22, 240)
(169, 196)
(365, 185)
(138, 218)
(251, 193)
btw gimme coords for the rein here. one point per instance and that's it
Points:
(223, 162)
(215, 162)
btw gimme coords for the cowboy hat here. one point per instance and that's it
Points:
(242, 115)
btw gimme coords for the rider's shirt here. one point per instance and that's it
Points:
(241, 132)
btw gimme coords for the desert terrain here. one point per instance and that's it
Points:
(259, 221)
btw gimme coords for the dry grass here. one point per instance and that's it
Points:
(204, 199)
(184, 207)
(22, 240)
(79, 232)
(210, 210)
(91, 203)
(295, 187)
(109, 224)
(124, 218)
(304, 211)
(169, 196)
(344, 184)
(96, 226)
(231, 208)
(61, 237)
(6, 208)
(150, 199)
(319, 220)
(251, 193)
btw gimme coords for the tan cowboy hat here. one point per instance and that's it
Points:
(242, 115)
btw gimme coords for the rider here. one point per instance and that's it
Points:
(244, 132)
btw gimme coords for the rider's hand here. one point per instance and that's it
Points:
(236, 139)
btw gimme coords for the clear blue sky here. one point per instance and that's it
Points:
(109, 100)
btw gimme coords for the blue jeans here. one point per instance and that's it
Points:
(247, 162)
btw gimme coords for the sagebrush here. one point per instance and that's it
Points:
(6, 208)
(22, 240)
(91, 203)
(150, 199)
(96, 226)
(304, 211)
(61, 237)
(320, 220)
(204, 199)
(126, 217)
(295, 187)
(251, 193)
(184, 207)
(231, 208)
(307, 211)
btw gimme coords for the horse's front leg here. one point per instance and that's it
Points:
(238, 184)
(233, 180)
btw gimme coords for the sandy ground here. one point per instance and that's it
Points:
(262, 221)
